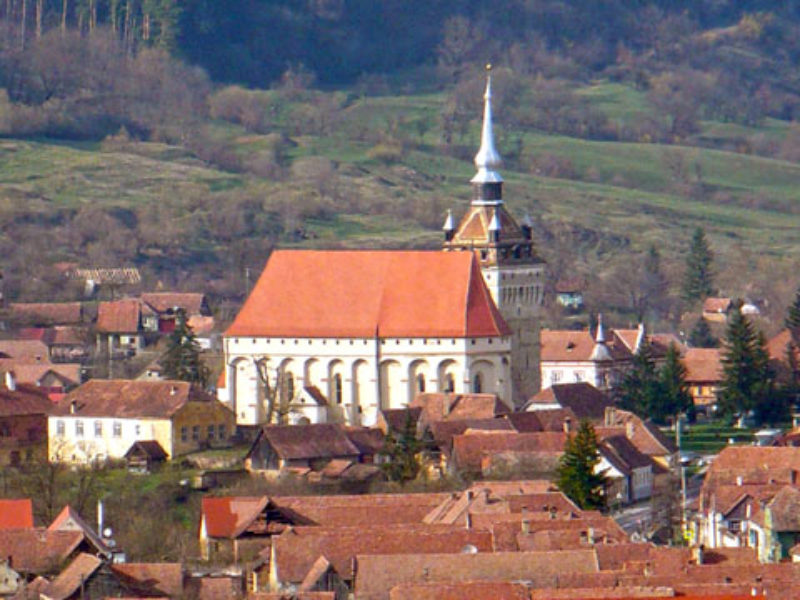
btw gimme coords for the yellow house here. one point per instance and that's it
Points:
(101, 419)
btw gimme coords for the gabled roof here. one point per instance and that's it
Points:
(444, 431)
(33, 350)
(440, 406)
(368, 440)
(470, 448)
(296, 442)
(229, 516)
(119, 316)
(776, 346)
(73, 577)
(34, 373)
(151, 578)
(365, 294)
(69, 520)
(38, 550)
(395, 418)
(703, 365)
(643, 434)
(192, 303)
(622, 454)
(577, 346)
(583, 399)
(16, 514)
(150, 448)
(754, 464)
(549, 419)
(298, 548)
(125, 398)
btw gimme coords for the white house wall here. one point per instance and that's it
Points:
(368, 369)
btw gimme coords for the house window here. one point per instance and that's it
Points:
(555, 376)
(137, 429)
(98, 429)
(79, 428)
(221, 433)
(196, 432)
(117, 429)
(60, 428)
(337, 388)
(733, 526)
(420, 383)
(210, 432)
(477, 384)
(184, 434)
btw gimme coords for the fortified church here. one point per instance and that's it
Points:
(338, 336)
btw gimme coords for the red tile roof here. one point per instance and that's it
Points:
(25, 400)
(585, 400)
(470, 448)
(462, 590)
(776, 346)
(229, 516)
(703, 365)
(298, 548)
(16, 514)
(151, 578)
(48, 313)
(448, 407)
(38, 550)
(125, 398)
(120, 316)
(568, 346)
(370, 293)
(34, 350)
(192, 303)
(717, 305)
(298, 442)
(73, 577)
(754, 464)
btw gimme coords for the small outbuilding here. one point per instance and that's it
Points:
(145, 455)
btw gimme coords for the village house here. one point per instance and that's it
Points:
(703, 376)
(569, 292)
(119, 327)
(716, 309)
(236, 526)
(159, 309)
(29, 361)
(750, 499)
(45, 314)
(582, 398)
(302, 448)
(102, 419)
(23, 423)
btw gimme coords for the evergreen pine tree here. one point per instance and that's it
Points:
(639, 389)
(577, 475)
(701, 336)
(401, 451)
(182, 360)
(792, 320)
(747, 377)
(674, 391)
(697, 280)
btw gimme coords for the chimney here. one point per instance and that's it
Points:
(11, 381)
(567, 424)
(173, 390)
(73, 405)
(739, 480)
(610, 416)
(697, 554)
(526, 527)
(629, 429)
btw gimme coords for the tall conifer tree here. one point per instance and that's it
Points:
(577, 474)
(698, 279)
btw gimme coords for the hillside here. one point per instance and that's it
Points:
(373, 180)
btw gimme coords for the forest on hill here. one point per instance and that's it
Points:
(189, 138)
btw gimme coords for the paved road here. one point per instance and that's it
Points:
(637, 518)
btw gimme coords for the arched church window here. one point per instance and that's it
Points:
(449, 383)
(477, 383)
(420, 383)
(337, 388)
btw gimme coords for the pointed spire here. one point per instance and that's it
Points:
(600, 338)
(449, 227)
(640, 339)
(487, 159)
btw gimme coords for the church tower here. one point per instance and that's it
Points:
(511, 268)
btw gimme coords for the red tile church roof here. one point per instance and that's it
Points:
(362, 294)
